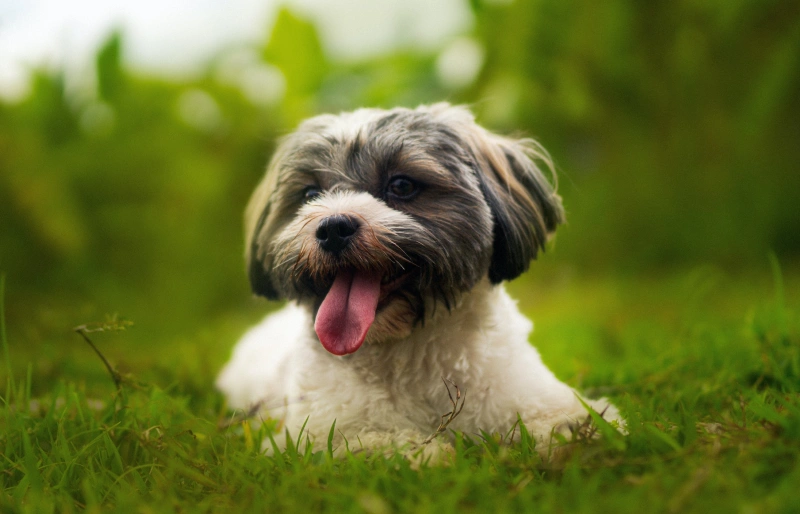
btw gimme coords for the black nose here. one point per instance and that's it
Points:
(334, 232)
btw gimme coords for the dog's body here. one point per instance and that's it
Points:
(392, 231)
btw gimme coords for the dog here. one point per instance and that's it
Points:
(391, 232)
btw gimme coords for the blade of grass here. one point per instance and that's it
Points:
(780, 299)
(663, 437)
(330, 439)
(6, 354)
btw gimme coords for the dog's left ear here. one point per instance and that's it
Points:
(257, 232)
(525, 206)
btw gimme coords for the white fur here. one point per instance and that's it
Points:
(391, 393)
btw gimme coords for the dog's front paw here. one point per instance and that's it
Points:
(412, 445)
(430, 453)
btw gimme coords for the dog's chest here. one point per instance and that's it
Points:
(405, 383)
(415, 384)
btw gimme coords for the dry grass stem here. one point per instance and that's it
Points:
(587, 430)
(458, 405)
(110, 326)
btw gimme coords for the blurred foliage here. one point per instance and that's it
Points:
(675, 123)
(675, 127)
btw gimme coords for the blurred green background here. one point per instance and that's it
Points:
(675, 127)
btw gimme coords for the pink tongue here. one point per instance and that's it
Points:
(348, 311)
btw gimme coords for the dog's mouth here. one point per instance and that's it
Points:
(392, 283)
(350, 306)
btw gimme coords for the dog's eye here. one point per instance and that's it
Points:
(402, 188)
(310, 193)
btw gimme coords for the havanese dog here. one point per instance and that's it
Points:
(391, 232)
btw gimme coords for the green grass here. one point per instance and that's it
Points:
(704, 364)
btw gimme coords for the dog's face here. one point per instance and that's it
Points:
(374, 219)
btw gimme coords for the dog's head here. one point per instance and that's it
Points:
(374, 218)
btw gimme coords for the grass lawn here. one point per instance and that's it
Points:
(704, 364)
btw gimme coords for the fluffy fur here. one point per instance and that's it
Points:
(441, 212)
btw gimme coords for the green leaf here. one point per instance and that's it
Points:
(109, 67)
(295, 48)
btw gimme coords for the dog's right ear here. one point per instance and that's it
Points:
(257, 255)
(524, 205)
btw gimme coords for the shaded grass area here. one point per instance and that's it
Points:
(704, 365)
